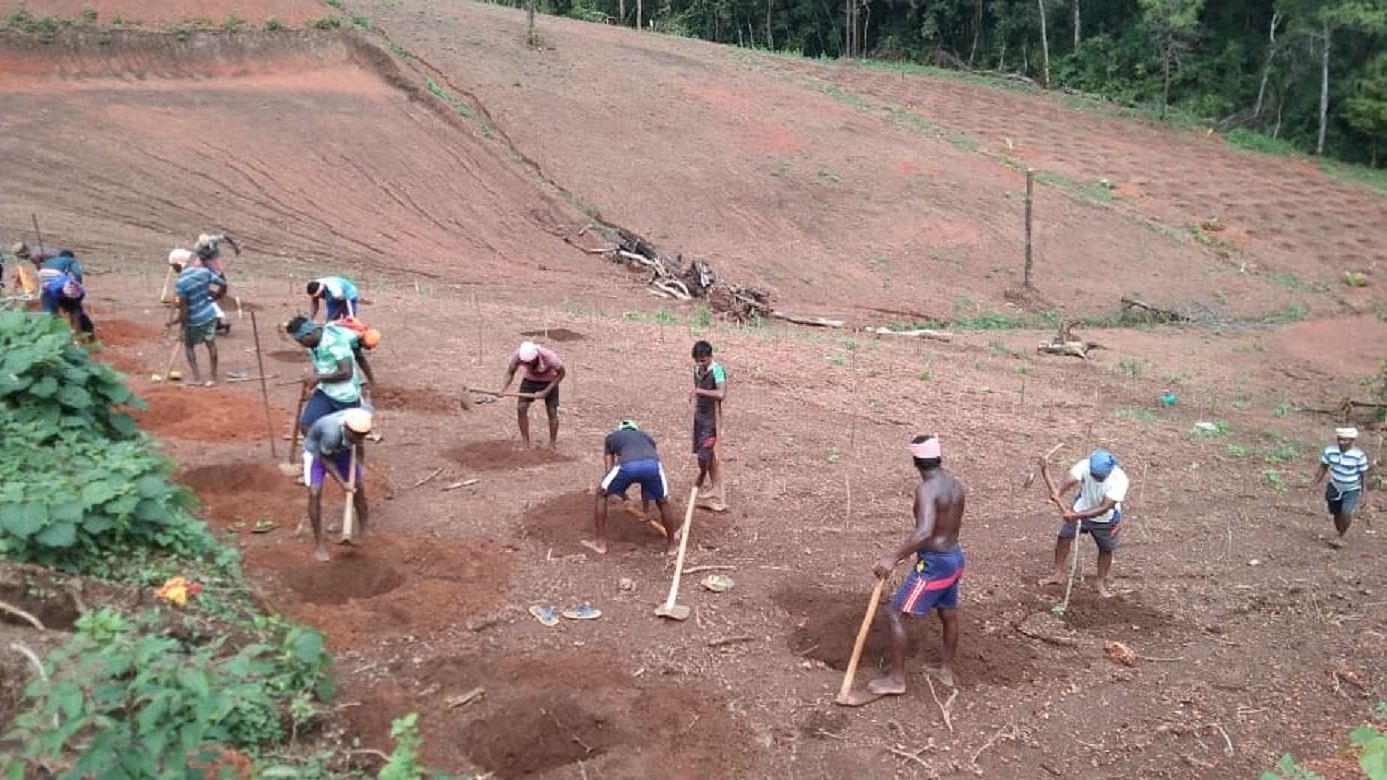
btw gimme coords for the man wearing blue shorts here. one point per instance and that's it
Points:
(933, 580)
(1346, 466)
(327, 449)
(337, 292)
(1097, 511)
(630, 459)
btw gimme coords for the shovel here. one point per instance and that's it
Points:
(669, 609)
(847, 697)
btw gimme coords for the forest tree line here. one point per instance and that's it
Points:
(1303, 74)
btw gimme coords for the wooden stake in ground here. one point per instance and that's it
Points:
(669, 609)
(288, 468)
(264, 386)
(846, 695)
(1030, 190)
(164, 291)
(349, 511)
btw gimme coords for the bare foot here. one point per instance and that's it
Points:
(598, 547)
(1337, 544)
(1104, 590)
(210, 383)
(671, 549)
(941, 673)
(320, 552)
(1053, 579)
(886, 686)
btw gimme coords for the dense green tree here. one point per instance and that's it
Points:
(1367, 109)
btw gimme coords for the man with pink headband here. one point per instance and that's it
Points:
(933, 579)
(543, 373)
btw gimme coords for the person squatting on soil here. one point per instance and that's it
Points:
(336, 383)
(194, 306)
(337, 292)
(1346, 466)
(64, 293)
(629, 458)
(1097, 511)
(327, 449)
(543, 372)
(933, 579)
(710, 388)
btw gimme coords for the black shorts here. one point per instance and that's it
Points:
(551, 402)
(705, 437)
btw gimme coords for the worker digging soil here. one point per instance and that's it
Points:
(1096, 511)
(333, 375)
(544, 371)
(337, 295)
(933, 580)
(335, 445)
(194, 309)
(630, 458)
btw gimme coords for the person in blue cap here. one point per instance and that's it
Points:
(630, 459)
(1096, 511)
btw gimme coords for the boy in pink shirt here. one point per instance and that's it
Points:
(543, 372)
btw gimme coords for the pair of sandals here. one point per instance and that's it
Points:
(549, 618)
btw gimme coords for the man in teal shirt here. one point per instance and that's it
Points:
(337, 385)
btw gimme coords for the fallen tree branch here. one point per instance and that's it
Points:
(425, 480)
(918, 333)
(801, 319)
(1152, 312)
(731, 640)
(1008, 730)
(19, 613)
(1078, 349)
(1060, 641)
(697, 569)
(945, 707)
(895, 751)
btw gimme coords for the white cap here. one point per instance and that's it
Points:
(357, 420)
(1347, 432)
(204, 240)
(528, 351)
(180, 257)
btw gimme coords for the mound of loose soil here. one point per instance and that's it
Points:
(414, 399)
(567, 518)
(826, 624)
(554, 334)
(124, 333)
(505, 454)
(203, 414)
(384, 584)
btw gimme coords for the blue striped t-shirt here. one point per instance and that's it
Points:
(192, 287)
(1345, 468)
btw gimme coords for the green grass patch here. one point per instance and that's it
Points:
(1373, 178)
(1254, 141)
(326, 23)
(1138, 413)
(362, 23)
(1098, 191)
(1295, 311)
(273, 24)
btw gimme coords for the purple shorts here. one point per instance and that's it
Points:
(315, 470)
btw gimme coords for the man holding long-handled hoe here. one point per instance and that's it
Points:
(710, 389)
(196, 290)
(336, 383)
(334, 445)
(933, 579)
(630, 459)
(1096, 511)
(543, 372)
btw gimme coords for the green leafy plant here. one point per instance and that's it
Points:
(124, 699)
(326, 23)
(1355, 279)
(1129, 366)
(1237, 451)
(233, 23)
(404, 759)
(362, 23)
(1273, 479)
(88, 15)
(273, 24)
(926, 374)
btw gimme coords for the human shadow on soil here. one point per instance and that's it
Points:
(503, 455)
(825, 624)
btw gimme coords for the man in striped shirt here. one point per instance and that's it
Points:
(1345, 466)
(194, 307)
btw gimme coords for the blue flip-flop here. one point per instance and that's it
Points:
(584, 611)
(545, 615)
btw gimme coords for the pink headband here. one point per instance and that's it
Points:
(926, 449)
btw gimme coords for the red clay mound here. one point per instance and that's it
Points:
(384, 584)
(203, 414)
(292, 13)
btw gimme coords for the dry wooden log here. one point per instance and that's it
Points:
(801, 319)
(1078, 349)
(918, 333)
(1153, 312)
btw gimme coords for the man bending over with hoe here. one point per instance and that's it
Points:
(327, 449)
(933, 579)
(1097, 511)
(334, 378)
(543, 373)
(629, 456)
(337, 292)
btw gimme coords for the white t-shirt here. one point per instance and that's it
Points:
(1092, 492)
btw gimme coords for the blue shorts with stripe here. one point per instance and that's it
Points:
(646, 472)
(933, 583)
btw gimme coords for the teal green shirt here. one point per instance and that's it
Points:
(336, 345)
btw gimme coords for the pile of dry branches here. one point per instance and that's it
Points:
(671, 278)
